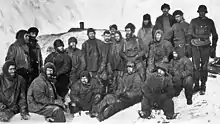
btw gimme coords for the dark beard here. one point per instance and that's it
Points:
(60, 51)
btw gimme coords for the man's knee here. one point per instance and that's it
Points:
(188, 81)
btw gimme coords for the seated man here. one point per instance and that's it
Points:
(85, 93)
(159, 52)
(158, 91)
(12, 94)
(181, 70)
(127, 94)
(42, 97)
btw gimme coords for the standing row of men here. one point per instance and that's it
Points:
(106, 77)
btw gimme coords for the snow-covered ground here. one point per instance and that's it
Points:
(56, 16)
(204, 110)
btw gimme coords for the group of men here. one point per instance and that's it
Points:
(105, 77)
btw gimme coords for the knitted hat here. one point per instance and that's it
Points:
(202, 8)
(58, 43)
(72, 39)
(177, 12)
(146, 17)
(165, 5)
(131, 26)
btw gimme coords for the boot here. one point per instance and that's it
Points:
(189, 102)
(144, 115)
(203, 89)
(172, 117)
(196, 89)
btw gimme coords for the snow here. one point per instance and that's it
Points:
(56, 16)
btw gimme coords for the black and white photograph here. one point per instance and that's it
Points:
(109, 61)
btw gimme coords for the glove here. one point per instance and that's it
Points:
(2, 106)
(59, 103)
(213, 51)
(25, 116)
(165, 60)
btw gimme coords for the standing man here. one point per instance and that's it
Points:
(113, 28)
(165, 21)
(178, 34)
(200, 30)
(134, 50)
(115, 64)
(91, 48)
(77, 57)
(63, 65)
(18, 52)
(36, 60)
(145, 33)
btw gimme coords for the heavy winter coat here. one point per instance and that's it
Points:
(146, 35)
(93, 56)
(202, 28)
(131, 85)
(159, 22)
(36, 56)
(78, 61)
(12, 94)
(133, 49)
(159, 51)
(18, 52)
(41, 93)
(62, 62)
(182, 67)
(157, 85)
(178, 33)
(83, 95)
(114, 57)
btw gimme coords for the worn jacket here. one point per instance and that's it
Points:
(12, 94)
(146, 34)
(159, 51)
(62, 62)
(18, 52)
(114, 58)
(178, 33)
(131, 85)
(78, 60)
(157, 85)
(159, 22)
(182, 66)
(203, 28)
(92, 53)
(40, 94)
(133, 49)
(36, 57)
(83, 95)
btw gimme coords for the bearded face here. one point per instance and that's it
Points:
(72, 45)
(11, 70)
(129, 33)
(158, 37)
(107, 37)
(117, 37)
(84, 80)
(60, 49)
(91, 35)
(50, 73)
